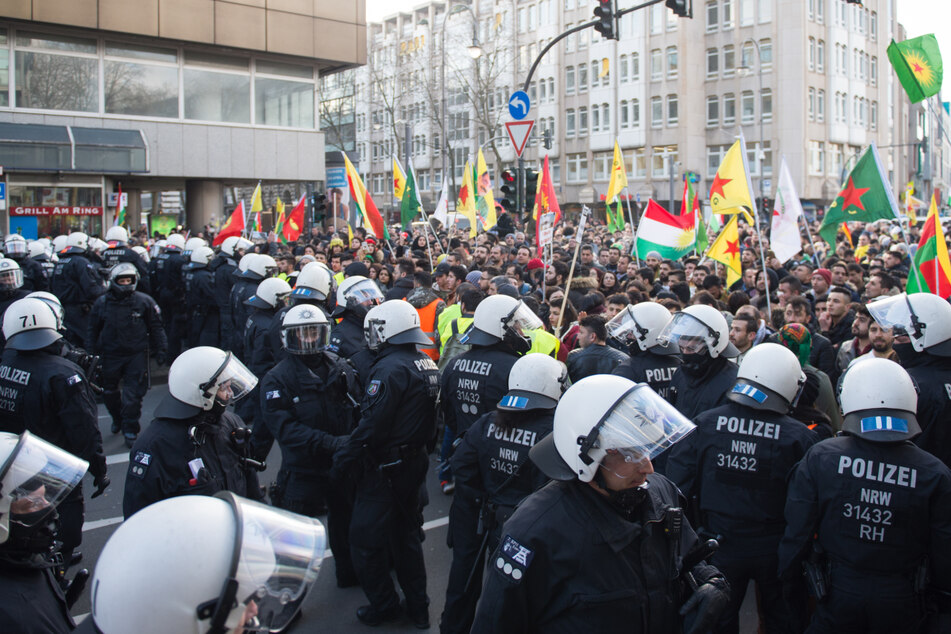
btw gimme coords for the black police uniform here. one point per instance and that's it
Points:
(47, 265)
(123, 329)
(473, 383)
(879, 511)
(47, 395)
(244, 287)
(77, 284)
(32, 601)
(118, 253)
(309, 406)
(387, 451)
(595, 359)
(692, 392)
(35, 275)
(933, 376)
(493, 474)
(201, 306)
(186, 451)
(569, 562)
(223, 268)
(348, 341)
(259, 359)
(734, 467)
(7, 298)
(170, 287)
(656, 370)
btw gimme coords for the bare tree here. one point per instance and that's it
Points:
(337, 110)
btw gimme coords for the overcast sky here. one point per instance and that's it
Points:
(918, 16)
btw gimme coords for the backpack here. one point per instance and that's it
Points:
(454, 346)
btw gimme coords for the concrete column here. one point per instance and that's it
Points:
(204, 201)
(134, 210)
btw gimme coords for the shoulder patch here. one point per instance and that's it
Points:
(140, 464)
(513, 559)
(73, 380)
(273, 394)
(373, 387)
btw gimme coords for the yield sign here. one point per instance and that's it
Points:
(518, 133)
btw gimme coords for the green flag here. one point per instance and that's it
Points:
(866, 196)
(410, 205)
(917, 63)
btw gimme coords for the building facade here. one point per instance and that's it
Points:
(808, 80)
(181, 102)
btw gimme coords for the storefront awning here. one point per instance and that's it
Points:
(52, 148)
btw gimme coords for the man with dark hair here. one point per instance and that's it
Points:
(405, 269)
(837, 326)
(822, 355)
(789, 287)
(615, 304)
(556, 273)
(587, 256)
(743, 334)
(593, 356)
(879, 284)
(859, 344)
(713, 285)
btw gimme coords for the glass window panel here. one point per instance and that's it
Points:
(140, 89)
(147, 53)
(211, 60)
(4, 69)
(57, 82)
(284, 103)
(287, 70)
(211, 96)
(56, 42)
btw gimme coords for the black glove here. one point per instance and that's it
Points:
(708, 602)
(332, 443)
(101, 483)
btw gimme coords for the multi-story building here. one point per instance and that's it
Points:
(807, 80)
(194, 98)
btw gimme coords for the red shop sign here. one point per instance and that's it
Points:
(56, 211)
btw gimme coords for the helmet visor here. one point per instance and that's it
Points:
(895, 313)
(11, 279)
(281, 554)
(523, 319)
(231, 382)
(16, 247)
(688, 334)
(37, 476)
(641, 425)
(306, 338)
(625, 329)
(364, 293)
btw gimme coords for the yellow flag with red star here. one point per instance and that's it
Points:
(731, 192)
(726, 250)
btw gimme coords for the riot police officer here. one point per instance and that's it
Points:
(922, 327)
(170, 288)
(387, 455)
(124, 326)
(35, 476)
(493, 474)
(35, 277)
(308, 402)
(636, 329)
(77, 283)
(223, 267)
(200, 299)
(257, 267)
(734, 469)
(877, 506)
(44, 393)
(119, 251)
(312, 287)
(194, 446)
(41, 252)
(11, 285)
(355, 296)
(605, 548)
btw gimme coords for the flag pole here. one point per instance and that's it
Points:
(571, 273)
(805, 224)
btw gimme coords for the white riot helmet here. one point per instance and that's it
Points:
(98, 245)
(358, 294)
(697, 329)
(53, 302)
(29, 324)
(235, 243)
(502, 318)
(245, 262)
(269, 293)
(38, 249)
(769, 378)
(252, 560)
(78, 239)
(193, 243)
(59, 243)
(27, 465)
(305, 330)
(879, 401)
(11, 276)
(14, 245)
(638, 327)
(143, 253)
(117, 234)
(313, 282)
(536, 381)
(393, 322)
(202, 256)
(175, 241)
(603, 413)
(123, 278)
(260, 267)
(158, 247)
(201, 375)
(924, 317)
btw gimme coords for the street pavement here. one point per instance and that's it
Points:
(327, 607)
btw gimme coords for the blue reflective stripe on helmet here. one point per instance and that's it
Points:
(752, 392)
(884, 423)
(514, 402)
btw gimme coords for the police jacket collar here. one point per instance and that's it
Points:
(617, 532)
(171, 407)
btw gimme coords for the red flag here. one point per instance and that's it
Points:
(545, 201)
(295, 222)
(234, 226)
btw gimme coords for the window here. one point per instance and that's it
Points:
(729, 60)
(729, 109)
(570, 122)
(582, 78)
(672, 63)
(623, 68)
(640, 162)
(746, 12)
(657, 112)
(570, 80)
(821, 56)
(820, 11)
(283, 95)
(817, 157)
(766, 54)
(625, 114)
(605, 117)
(603, 161)
(812, 53)
(713, 20)
(766, 105)
(582, 120)
(596, 118)
(656, 19)
(873, 115)
(873, 25)
(672, 110)
(714, 158)
(713, 111)
(657, 64)
(765, 10)
(662, 157)
(635, 66)
(713, 63)
(821, 105)
(873, 71)
(746, 55)
(217, 88)
(144, 81)
(727, 14)
(835, 159)
(57, 73)
(578, 168)
(635, 113)
(747, 107)
(811, 104)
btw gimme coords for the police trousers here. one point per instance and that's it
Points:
(860, 602)
(132, 372)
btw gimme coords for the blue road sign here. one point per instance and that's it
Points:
(3, 191)
(336, 177)
(519, 105)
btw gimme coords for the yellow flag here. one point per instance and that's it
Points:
(256, 200)
(485, 201)
(912, 204)
(730, 192)
(618, 176)
(605, 67)
(399, 179)
(726, 250)
(467, 204)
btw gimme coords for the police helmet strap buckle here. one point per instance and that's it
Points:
(210, 383)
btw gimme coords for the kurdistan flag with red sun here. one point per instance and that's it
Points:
(917, 62)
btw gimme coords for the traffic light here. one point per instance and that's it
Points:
(318, 205)
(531, 185)
(681, 8)
(607, 24)
(509, 192)
(546, 139)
